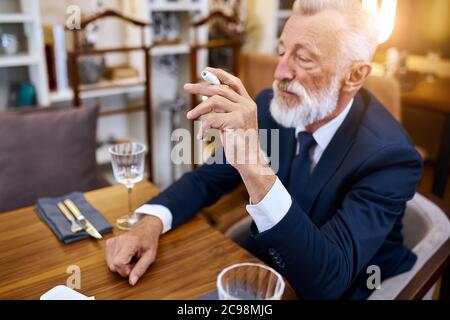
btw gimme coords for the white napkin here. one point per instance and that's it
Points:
(64, 293)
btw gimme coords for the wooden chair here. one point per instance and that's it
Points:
(78, 51)
(388, 92)
(260, 64)
(426, 231)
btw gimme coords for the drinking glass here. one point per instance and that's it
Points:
(128, 167)
(250, 281)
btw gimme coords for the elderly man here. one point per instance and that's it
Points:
(346, 170)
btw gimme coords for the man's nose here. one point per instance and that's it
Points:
(284, 70)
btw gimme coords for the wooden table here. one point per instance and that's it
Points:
(435, 97)
(32, 260)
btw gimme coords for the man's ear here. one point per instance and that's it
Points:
(356, 77)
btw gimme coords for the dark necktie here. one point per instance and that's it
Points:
(301, 167)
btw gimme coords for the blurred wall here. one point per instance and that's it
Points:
(422, 25)
(261, 25)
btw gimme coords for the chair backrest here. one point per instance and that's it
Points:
(388, 92)
(46, 153)
(426, 228)
(416, 224)
(257, 71)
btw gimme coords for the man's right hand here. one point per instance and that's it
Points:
(130, 255)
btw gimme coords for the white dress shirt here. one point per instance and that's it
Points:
(275, 205)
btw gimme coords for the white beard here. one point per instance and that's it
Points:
(310, 109)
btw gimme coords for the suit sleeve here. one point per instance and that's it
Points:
(322, 263)
(196, 190)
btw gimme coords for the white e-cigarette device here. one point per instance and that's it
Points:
(211, 78)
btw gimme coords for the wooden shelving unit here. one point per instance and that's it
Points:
(179, 6)
(77, 52)
(15, 18)
(121, 87)
(18, 60)
(23, 16)
(175, 49)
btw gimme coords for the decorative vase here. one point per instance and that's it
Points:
(91, 69)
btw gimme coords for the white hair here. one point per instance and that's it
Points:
(361, 37)
(310, 109)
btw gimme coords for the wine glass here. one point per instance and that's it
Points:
(128, 167)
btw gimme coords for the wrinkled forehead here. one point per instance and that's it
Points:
(321, 32)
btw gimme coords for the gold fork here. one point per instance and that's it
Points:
(75, 227)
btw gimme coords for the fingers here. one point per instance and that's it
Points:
(141, 266)
(210, 90)
(228, 79)
(119, 253)
(122, 260)
(216, 103)
(109, 252)
(214, 121)
(124, 270)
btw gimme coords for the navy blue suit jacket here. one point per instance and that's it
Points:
(352, 215)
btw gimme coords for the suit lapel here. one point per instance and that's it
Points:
(335, 152)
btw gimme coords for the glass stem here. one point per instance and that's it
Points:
(130, 209)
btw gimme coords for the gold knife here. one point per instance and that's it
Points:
(87, 226)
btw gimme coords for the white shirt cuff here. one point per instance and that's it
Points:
(160, 212)
(272, 209)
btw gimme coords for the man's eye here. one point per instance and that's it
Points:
(304, 59)
(281, 54)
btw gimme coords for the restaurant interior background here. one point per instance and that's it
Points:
(414, 56)
(36, 71)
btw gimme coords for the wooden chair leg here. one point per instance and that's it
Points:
(445, 287)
